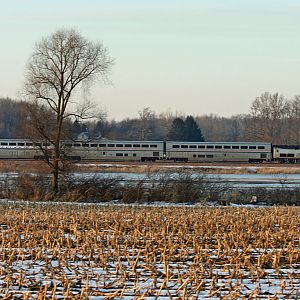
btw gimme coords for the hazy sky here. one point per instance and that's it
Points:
(193, 56)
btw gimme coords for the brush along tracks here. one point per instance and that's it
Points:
(110, 252)
(36, 166)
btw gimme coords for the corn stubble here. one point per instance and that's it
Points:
(113, 252)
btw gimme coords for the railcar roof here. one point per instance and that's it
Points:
(294, 147)
(137, 141)
(221, 143)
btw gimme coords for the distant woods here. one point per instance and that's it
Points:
(272, 118)
(12, 114)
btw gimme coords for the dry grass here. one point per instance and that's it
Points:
(135, 167)
(21, 166)
(142, 252)
(283, 169)
(213, 168)
(163, 187)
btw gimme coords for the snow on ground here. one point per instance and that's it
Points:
(101, 282)
(115, 267)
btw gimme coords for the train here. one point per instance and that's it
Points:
(152, 151)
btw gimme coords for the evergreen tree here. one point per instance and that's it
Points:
(177, 130)
(192, 130)
(76, 128)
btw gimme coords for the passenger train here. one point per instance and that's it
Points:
(112, 150)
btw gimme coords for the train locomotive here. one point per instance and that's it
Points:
(112, 150)
(286, 153)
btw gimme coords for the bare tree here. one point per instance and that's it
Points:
(147, 123)
(268, 112)
(292, 126)
(61, 64)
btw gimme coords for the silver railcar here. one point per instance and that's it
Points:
(110, 150)
(19, 149)
(218, 151)
(103, 150)
(286, 153)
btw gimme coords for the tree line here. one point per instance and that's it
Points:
(272, 118)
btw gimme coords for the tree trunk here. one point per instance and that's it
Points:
(55, 167)
(55, 178)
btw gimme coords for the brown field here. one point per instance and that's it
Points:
(113, 252)
(22, 166)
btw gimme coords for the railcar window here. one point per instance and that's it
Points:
(136, 145)
(94, 145)
(209, 156)
(4, 144)
(201, 146)
(193, 146)
(145, 146)
(244, 147)
(111, 145)
(38, 144)
(184, 146)
(21, 144)
(175, 146)
(218, 147)
(12, 144)
(210, 147)
(103, 153)
(102, 145)
(85, 145)
(128, 145)
(119, 145)
(67, 145)
(261, 147)
(227, 147)
(29, 144)
(235, 147)
(126, 154)
(194, 155)
(282, 155)
(201, 155)
(153, 146)
(134, 154)
(252, 147)
(290, 155)
(119, 154)
(77, 145)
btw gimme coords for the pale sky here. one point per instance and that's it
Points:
(193, 56)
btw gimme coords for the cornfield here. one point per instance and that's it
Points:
(73, 251)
